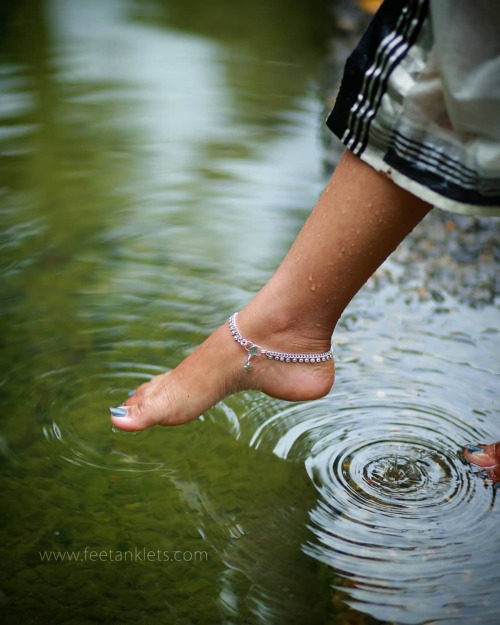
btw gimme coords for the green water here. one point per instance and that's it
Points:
(156, 160)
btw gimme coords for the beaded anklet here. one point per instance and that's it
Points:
(254, 350)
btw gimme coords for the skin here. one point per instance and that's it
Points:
(486, 457)
(358, 221)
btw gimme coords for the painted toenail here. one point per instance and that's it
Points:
(131, 393)
(119, 411)
(474, 449)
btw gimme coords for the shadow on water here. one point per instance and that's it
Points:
(157, 158)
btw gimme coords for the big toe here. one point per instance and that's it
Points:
(486, 456)
(130, 419)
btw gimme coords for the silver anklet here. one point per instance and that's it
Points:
(256, 350)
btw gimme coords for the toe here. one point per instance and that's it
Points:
(482, 455)
(129, 419)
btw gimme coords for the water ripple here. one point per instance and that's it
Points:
(399, 513)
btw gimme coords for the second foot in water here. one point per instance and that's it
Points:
(487, 459)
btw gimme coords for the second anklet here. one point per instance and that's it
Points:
(254, 350)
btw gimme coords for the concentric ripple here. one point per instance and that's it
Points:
(397, 475)
(71, 423)
(401, 519)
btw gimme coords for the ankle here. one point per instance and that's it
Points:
(277, 329)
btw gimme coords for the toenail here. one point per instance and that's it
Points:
(119, 411)
(474, 449)
(130, 393)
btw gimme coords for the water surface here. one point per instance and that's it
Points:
(157, 159)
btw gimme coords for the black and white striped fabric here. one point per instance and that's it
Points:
(420, 101)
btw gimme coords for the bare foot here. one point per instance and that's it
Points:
(488, 458)
(215, 370)
(357, 222)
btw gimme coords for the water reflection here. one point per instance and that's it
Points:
(157, 158)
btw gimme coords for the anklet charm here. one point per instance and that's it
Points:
(253, 350)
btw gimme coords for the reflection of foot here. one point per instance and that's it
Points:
(488, 458)
(216, 369)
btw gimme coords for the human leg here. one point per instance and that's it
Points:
(358, 221)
